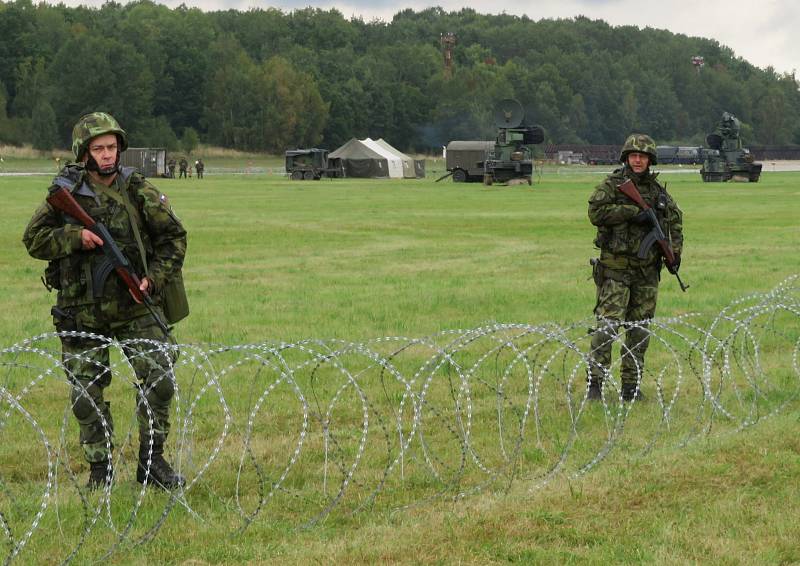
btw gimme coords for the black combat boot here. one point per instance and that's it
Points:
(158, 472)
(595, 389)
(99, 475)
(631, 393)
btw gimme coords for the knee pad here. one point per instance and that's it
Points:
(161, 390)
(87, 404)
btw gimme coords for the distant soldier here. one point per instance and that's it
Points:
(627, 286)
(183, 165)
(199, 167)
(171, 166)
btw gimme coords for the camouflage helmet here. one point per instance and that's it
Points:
(89, 126)
(640, 143)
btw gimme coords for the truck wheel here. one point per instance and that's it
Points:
(297, 176)
(459, 176)
(308, 175)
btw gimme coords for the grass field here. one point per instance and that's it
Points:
(272, 260)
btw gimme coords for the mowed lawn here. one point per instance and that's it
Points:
(275, 260)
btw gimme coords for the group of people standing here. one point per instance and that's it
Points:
(184, 170)
(141, 221)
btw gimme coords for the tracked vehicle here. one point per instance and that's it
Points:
(726, 159)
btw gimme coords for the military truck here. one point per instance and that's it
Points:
(507, 158)
(512, 155)
(464, 159)
(726, 159)
(309, 164)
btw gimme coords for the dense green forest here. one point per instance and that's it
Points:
(265, 80)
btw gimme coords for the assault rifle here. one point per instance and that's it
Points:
(656, 235)
(61, 198)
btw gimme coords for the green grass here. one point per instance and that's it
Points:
(271, 260)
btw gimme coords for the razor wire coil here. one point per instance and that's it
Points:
(317, 427)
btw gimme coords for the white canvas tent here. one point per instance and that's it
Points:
(408, 163)
(375, 159)
(394, 161)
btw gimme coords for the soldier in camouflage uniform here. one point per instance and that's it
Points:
(183, 166)
(117, 197)
(627, 286)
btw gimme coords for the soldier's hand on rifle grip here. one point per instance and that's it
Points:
(642, 218)
(144, 286)
(90, 240)
(676, 265)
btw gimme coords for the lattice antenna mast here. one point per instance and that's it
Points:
(448, 42)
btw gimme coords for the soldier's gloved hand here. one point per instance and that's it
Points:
(642, 218)
(676, 265)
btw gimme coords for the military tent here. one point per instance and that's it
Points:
(409, 171)
(357, 159)
(392, 159)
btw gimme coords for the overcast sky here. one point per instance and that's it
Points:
(763, 32)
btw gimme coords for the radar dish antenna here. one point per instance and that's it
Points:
(508, 113)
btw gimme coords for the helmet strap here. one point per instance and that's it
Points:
(91, 165)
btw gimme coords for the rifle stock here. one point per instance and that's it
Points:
(62, 199)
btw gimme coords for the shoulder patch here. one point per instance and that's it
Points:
(164, 200)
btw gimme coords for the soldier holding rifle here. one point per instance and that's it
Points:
(100, 291)
(639, 231)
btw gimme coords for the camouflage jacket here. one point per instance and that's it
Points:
(617, 236)
(54, 237)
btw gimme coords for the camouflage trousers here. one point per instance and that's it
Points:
(86, 362)
(623, 296)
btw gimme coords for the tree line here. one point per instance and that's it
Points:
(266, 80)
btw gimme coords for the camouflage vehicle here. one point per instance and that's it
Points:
(512, 156)
(726, 159)
(508, 157)
(309, 164)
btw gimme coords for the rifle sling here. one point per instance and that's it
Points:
(134, 216)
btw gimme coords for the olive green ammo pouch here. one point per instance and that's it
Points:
(175, 303)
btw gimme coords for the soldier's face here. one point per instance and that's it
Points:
(104, 151)
(639, 162)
